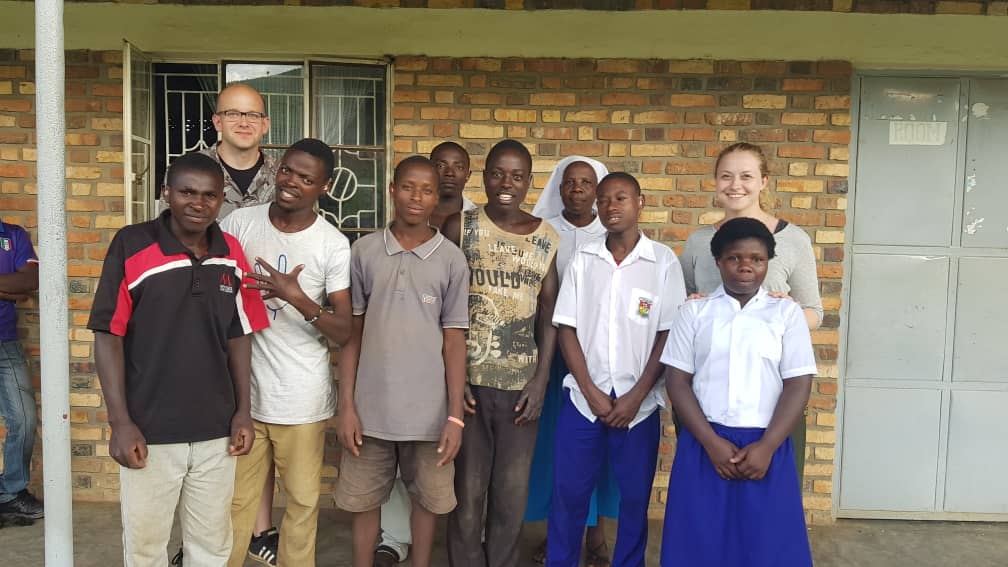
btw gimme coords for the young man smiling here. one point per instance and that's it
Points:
(172, 324)
(301, 262)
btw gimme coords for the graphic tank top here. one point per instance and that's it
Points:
(506, 274)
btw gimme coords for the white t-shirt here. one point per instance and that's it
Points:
(291, 372)
(617, 312)
(740, 356)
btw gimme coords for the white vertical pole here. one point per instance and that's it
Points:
(50, 129)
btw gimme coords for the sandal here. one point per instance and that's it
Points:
(597, 556)
(539, 557)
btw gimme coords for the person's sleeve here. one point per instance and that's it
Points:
(673, 294)
(565, 309)
(687, 262)
(337, 276)
(679, 349)
(24, 252)
(455, 303)
(250, 311)
(358, 296)
(797, 355)
(803, 281)
(112, 306)
(230, 224)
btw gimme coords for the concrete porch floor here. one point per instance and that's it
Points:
(848, 543)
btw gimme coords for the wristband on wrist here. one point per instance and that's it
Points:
(456, 421)
(311, 320)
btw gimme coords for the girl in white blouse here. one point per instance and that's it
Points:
(740, 367)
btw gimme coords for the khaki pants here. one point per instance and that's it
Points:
(297, 452)
(196, 477)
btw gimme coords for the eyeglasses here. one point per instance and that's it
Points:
(252, 117)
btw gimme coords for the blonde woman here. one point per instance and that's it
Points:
(741, 175)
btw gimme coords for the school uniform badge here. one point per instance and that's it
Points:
(5, 244)
(644, 307)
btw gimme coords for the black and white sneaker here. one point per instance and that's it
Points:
(263, 548)
(24, 506)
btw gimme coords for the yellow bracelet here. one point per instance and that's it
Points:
(456, 421)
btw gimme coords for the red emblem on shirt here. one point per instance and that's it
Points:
(226, 284)
(644, 307)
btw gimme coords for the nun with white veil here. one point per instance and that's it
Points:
(567, 202)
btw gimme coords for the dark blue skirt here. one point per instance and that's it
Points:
(605, 499)
(712, 522)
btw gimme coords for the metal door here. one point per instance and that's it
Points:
(925, 377)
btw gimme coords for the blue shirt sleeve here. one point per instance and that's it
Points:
(23, 250)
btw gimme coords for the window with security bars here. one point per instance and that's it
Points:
(343, 104)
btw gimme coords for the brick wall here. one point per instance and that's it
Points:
(661, 120)
(94, 208)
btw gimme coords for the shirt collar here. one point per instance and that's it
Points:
(216, 245)
(3, 227)
(392, 246)
(720, 292)
(643, 250)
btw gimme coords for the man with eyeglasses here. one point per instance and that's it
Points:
(241, 121)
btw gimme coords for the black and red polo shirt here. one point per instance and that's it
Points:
(176, 313)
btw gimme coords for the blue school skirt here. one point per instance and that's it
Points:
(605, 497)
(712, 522)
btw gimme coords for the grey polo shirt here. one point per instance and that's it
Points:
(406, 297)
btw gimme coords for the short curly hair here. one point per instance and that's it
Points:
(740, 229)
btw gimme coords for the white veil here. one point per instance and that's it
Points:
(549, 204)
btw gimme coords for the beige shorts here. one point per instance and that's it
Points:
(365, 482)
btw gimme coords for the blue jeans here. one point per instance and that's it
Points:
(17, 408)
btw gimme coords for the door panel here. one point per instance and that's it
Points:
(890, 452)
(985, 212)
(897, 327)
(911, 183)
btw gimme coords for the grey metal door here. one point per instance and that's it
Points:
(925, 373)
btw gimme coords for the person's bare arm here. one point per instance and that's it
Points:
(348, 424)
(753, 460)
(240, 366)
(127, 444)
(454, 352)
(625, 407)
(20, 282)
(679, 386)
(335, 324)
(530, 402)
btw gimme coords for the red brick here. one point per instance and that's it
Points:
(692, 100)
(552, 99)
(803, 85)
(832, 136)
(691, 134)
(807, 152)
(17, 171)
(553, 133)
(410, 95)
(688, 168)
(618, 134)
(15, 104)
(624, 99)
(99, 89)
(584, 149)
(729, 118)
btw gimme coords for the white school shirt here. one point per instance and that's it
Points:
(740, 356)
(291, 373)
(617, 311)
(573, 237)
